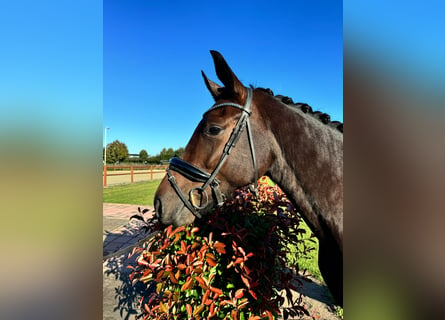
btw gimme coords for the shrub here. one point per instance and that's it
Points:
(230, 265)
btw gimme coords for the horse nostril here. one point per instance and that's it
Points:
(158, 207)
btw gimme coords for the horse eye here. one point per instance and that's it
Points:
(214, 131)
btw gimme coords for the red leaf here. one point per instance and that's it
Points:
(195, 229)
(159, 275)
(253, 294)
(246, 281)
(242, 251)
(179, 229)
(168, 231)
(181, 266)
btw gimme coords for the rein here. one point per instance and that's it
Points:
(196, 174)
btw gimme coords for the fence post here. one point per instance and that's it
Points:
(105, 175)
(131, 171)
(151, 172)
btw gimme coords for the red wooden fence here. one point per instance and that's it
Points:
(148, 170)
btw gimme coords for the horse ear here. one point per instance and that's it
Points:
(225, 74)
(214, 88)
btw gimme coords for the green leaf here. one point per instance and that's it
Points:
(230, 285)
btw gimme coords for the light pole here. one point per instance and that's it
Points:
(105, 150)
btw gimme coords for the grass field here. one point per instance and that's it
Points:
(142, 193)
(137, 193)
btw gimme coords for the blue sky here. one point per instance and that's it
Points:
(154, 51)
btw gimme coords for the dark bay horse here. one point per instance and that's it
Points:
(249, 133)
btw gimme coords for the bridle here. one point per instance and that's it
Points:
(195, 174)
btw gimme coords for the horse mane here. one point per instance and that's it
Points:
(304, 107)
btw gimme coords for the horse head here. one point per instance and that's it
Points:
(220, 155)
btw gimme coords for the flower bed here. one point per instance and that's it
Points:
(230, 265)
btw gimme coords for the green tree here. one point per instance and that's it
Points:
(179, 152)
(143, 155)
(116, 152)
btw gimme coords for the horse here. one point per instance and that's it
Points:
(248, 133)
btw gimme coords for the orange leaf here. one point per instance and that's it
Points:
(168, 231)
(189, 309)
(164, 308)
(216, 290)
(197, 270)
(187, 284)
(198, 310)
(205, 296)
(269, 315)
(201, 282)
(211, 262)
(239, 293)
(172, 278)
(212, 309)
(219, 245)
(221, 250)
(181, 266)
(210, 255)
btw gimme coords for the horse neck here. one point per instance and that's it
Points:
(308, 167)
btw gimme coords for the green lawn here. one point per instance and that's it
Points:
(310, 262)
(136, 193)
(142, 193)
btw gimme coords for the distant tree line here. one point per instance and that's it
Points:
(117, 152)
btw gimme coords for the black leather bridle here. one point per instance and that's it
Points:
(195, 174)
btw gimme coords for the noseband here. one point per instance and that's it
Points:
(195, 174)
